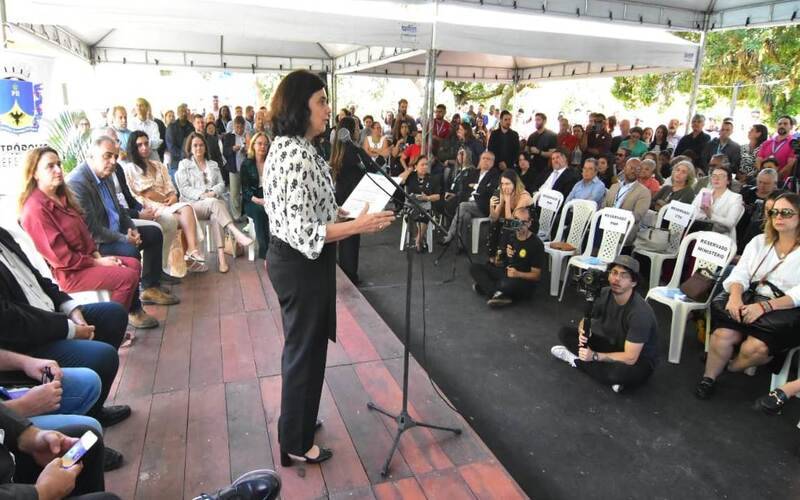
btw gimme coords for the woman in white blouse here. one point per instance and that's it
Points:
(718, 204)
(143, 120)
(301, 261)
(376, 145)
(766, 319)
(200, 184)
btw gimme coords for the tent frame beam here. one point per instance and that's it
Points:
(55, 36)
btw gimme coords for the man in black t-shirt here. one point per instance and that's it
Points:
(521, 267)
(620, 349)
(541, 145)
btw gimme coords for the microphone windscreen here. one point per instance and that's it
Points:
(343, 135)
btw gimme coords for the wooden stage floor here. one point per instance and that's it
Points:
(205, 392)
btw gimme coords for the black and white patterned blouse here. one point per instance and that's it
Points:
(300, 195)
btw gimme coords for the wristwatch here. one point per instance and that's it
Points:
(595, 357)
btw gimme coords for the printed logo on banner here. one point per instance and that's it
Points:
(20, 101)
(408, 32)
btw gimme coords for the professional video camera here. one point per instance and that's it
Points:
(590, 282)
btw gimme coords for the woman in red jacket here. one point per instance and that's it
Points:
(53, 219)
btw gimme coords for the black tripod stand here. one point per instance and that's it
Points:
(404, 420)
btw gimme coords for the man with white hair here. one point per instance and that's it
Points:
(754, 198)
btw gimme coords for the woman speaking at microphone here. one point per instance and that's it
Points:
(304, 225)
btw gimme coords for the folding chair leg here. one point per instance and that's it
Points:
(564, 286)
(556, 268)
(676, 333)
(476, 236)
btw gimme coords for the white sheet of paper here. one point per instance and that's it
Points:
(680, 213)
(368, 192)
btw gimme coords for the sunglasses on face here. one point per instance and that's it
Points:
(784, 213)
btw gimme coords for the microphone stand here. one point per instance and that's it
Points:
(404, 420)
(457, 235)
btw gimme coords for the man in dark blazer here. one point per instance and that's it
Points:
(112, 228)
(42, 321)
(562, 178)
(477, 204)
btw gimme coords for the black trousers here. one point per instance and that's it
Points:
(491, 279)
(90, 482)
(259, 216)
(606, 373)
(348, 256)
(306, 290)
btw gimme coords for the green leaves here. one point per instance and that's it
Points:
(64, 137)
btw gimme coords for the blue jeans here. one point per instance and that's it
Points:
(151, 248)
(100, 355)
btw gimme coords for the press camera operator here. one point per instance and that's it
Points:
(515, 276)
(621, 347)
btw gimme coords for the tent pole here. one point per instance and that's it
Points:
(334, 96)
(698, 68)
(430, 98)
(4, 21)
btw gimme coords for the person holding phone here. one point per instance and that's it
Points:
(719, 205)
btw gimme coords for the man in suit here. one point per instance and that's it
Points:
(114, 231)
(563, 177)
(477, 204)
(234, 149)
(41, 321)
(629, 194)
(725, 146)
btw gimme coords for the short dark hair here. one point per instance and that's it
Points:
(504, 113)
(563, 152)
(196, 116)
(637, 130)
(787, 117)
(290, 112)
(441, 106)
(541, 115)
(369, 117)
(239, 120)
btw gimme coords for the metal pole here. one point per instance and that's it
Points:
(698, 68)
(735, 97)
(3, 20)
(430, 88)
(334, 95)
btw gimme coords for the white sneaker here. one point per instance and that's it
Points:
(563, 354)
(617, 388)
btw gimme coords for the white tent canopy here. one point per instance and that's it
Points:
(350, 36)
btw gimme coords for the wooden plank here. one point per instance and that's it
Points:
(206, 300)
(206, 358)
(463, 449)
(140, 365)
(404, 489)
(207, 458)
(367, 431)
(363, 493)
(247, 428)
(237, 350)
(172, 371)
(353, 339)
(419, 446)
(300, 481)
(252, 293)
(128, 438)
(344, 471)
(266, 341)
(491, 481)
(164, 454)
(445, 484)
(123, 362)
(230, 292)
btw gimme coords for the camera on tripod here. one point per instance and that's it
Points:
(590, 282)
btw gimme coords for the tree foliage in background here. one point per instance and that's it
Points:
(468, 92)
(266, 85)
(747, 56)
(63, 136)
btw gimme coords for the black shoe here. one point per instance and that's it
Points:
(705, 388)
(112, 415)
(499, 300)
(772, 403)
(255, 485)
(112, 459)
(169, 279)
(324, 454)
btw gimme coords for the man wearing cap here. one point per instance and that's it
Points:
(620, 349)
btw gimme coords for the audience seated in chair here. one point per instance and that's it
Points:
(621, 348)
(501, 208)
(679, 187)
(53, 219)
(754, 198)
(590, 187)
(629, 194)
(717, 205)
(514, 275)
(111, 227)
(760, 309)
(477, 204)
(427, 189)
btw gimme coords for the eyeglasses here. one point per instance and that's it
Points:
(719, 177)
(785, 213)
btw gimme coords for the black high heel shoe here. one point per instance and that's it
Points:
(324, 454)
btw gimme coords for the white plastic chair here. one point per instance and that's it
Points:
(205, 229)
(549, 201)
(251, 232)
(582, 212)
(476, 232)
(782, 377)
(610, 246)
(657, 259)
(428, 236)
(672, 297)
(26, 243)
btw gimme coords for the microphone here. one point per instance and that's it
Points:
(343, 136)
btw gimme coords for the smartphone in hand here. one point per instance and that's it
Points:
(79, 449)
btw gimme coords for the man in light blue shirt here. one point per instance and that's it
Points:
(590, 187)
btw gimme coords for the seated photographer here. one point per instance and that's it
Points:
(510, 195)
(520, 266)
(31, 466)
(760, 308)
(621, 347)
(427, 189)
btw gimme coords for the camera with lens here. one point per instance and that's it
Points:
(590, 282)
